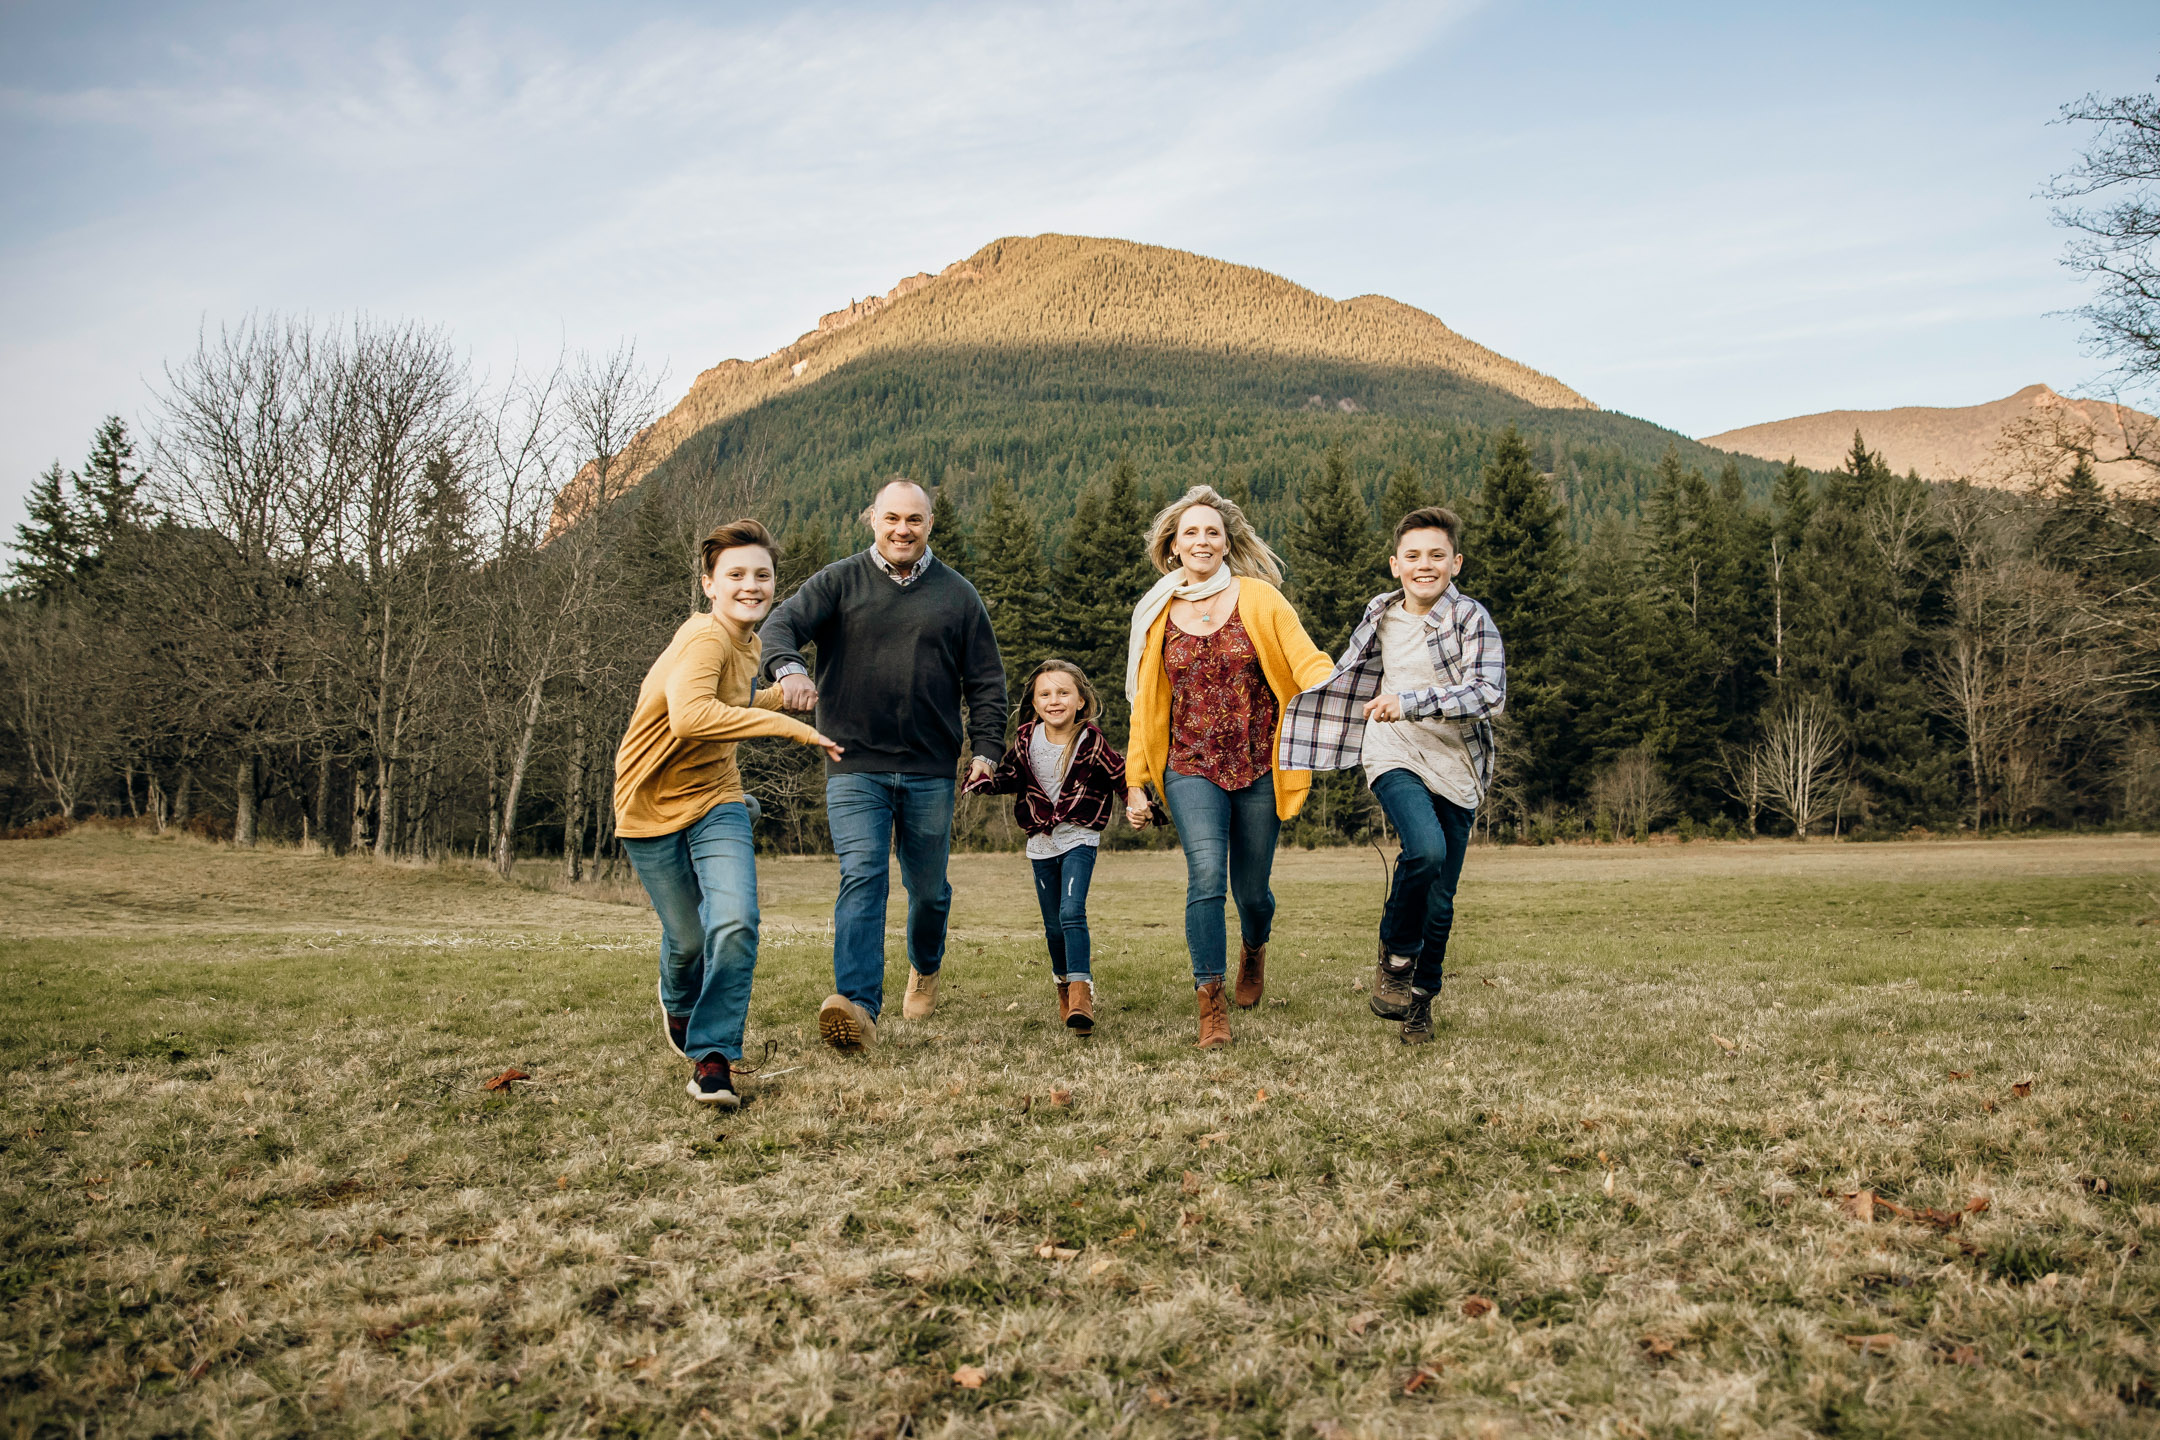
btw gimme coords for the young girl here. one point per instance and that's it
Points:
(682, 814)
(1068, 779)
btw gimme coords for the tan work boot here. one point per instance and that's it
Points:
(1064, 1001)
(921, 996)
(845, 1025)
(1251, 974)
(1078, 1002)
(1214, 1017)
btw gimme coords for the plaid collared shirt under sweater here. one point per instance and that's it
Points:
(1324, 728)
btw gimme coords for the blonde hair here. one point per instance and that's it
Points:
(1246, 553)
(1090, 703)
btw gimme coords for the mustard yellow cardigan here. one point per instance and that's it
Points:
(1289, 661)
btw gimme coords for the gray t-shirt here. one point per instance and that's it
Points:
(1047, 759)
(1431, 749)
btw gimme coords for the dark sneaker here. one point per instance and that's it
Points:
(1391, 985)
(675, 1027)
(711, 1084)
(1417, 1022)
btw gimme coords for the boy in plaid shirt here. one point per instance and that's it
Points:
(1412, 701)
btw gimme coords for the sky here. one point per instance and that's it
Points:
(1705, 215)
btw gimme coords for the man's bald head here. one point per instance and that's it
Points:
(899, 517)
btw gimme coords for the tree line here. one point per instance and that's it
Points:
(330, 598)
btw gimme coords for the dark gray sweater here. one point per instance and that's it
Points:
(894, 665)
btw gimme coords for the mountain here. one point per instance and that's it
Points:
(2003, 442)
(1046, 358)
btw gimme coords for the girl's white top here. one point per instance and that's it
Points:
(1047, 759)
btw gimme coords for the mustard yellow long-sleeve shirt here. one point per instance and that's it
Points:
(677, 758)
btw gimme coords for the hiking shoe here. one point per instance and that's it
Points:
(712, 1084)
(921, 997)
(1078, 1002)
(1251, 974)
(1417, 1022)
(1214, 1016)
(1391, 985)
(675, 1029)
(845, 1025)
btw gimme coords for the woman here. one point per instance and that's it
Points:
(1215, 654)
(682, 814)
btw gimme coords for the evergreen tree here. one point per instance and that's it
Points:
(949, 533)
(807, 551)
(1014, 583)
(1100, 577)
(51, 545)
(1334, 556)
(108, 491)
(1404, 494)
(1520, 565)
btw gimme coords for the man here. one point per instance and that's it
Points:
(1412, 701)
(902, 642)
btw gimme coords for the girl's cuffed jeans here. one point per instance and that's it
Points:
(1061, 887)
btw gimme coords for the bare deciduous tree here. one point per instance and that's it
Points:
(1633, 788)
(1801, 751)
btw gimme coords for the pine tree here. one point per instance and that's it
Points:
(949, 533)
(1335, 559)
(1013, 581)
(52, 545)
(803, 554)
(1520, 565)
(1100, 577)
(108, 491)
(1404, 494)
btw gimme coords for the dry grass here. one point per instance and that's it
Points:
(251, 1183)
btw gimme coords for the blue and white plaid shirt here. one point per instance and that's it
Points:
(1324, 728)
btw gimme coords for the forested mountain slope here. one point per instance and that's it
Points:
(1045, 359)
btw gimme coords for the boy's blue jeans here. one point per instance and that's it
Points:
(703, 884)
(1421, 904)
(1229, 842)
(873, 815)
(1061, 886)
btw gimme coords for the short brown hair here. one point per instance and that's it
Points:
(1430, 517)
(731, 536)
(1090, 703)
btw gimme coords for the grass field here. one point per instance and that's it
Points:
(251, 1183)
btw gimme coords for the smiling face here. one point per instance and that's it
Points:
(900, 519)
(1056, 699)
(741, 584)
(1201, 541)
(1426, 563)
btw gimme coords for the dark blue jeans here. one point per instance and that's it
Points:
(1061, 886)
(1229, 842)
(871, 817)
(703, 884)
(1421, 904)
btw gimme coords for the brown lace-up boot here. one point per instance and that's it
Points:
(1251, 974)
(1064, 1001)
(1214, 1017)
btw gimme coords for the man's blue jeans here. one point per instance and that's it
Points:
(872, 816)
(703, 884)
(1421, 904)
(1061, 886)
(1229, 842)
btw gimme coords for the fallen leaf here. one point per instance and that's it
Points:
(1609, 1183)
(1860, 1205)
(1357, 983)
(1061, 1097)
(956, 1088)
(919, 1274)
(562, 1182)
(2023, 930)
(1988, 1105)
(1728, 1046)
(1187, 1219)
(1978, 1205)
(1054, 1251)
(1362, 1321)
(1657, 1347)
(1423, 1376)
(1158, 1399)
(2094, 1183)
(1478, 1305)
(1494, 983)
(1099, 1266)
(1960, 1074)
(1215, 1138)
(1128, 1232)
(1012, 1007)
(504, 1080)
(1880, 1344)
(1191, 1183)
(1260, 1096)
(1958, 1355)
(967, 1377)
(2021, 1088)
(1589, 1124)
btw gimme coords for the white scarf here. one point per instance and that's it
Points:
(1171, 587)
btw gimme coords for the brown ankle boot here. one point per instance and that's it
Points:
(1064, 1001)
(1080, 1007)
(1214, 1017)
(1251, 974)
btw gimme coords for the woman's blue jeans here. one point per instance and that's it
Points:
(703, 884)
(1421, 903)
(1229, 842)
(1061, 886)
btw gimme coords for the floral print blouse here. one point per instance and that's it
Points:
(1222, 713)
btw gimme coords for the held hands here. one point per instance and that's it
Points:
(1384, 707)
(980, 769)
(798, 693)
(1137, 808)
